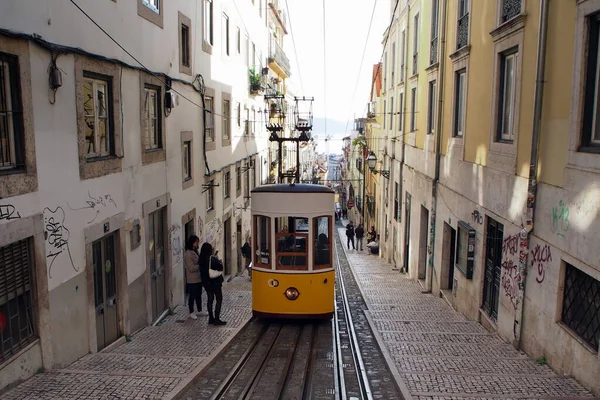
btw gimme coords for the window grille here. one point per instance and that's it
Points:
(510, 9)
(16, 299)
(463, 31)
(581, 305)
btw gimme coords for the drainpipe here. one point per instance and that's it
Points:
(438, 146)
(532, 186)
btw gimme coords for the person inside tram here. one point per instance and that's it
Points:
(373, 247)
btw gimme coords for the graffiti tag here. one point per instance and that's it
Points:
(57, 236)
(560, 219)
(509, 245)
(95, 203)
(477, 217)
(541, 256)
(510, 281)
(8, 212)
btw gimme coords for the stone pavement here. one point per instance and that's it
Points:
(437, 353)
(157, 363)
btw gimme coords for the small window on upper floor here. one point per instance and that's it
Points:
(507, 96)
(462, 31)
(590, 135)
(151, 10)
(208, 27)
(152, 119)
(226, 33)
(185, 45)
(510, 9)
(210, 196)
(11, 118)
(99, 137)
(153, 5)
(210, 124)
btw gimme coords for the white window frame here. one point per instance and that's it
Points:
(226, 34)
(507, 97)
(153, 5)
(209, 102)
(227, 185)
(431, 106)
(208, 30)
(460, 102)
(413, 109)
(153, 138)
(96, 84)
(210, 196)
(187, 160)
(226, 119)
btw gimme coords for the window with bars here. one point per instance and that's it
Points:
(153, 126)
(210, 125)
(581, 305)
(16, 298)
(97, 116)
(11, 114)
(433, 47)
(462, 33)
(510, 9)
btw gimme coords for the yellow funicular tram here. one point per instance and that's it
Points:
(293, 251)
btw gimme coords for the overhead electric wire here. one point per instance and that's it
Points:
(362, 60)
(324, 70)
(294, 44)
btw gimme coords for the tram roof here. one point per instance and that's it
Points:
(292, 188)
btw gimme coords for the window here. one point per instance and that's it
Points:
(462, 34)
(402, 56)
(187, 160)
(210, 196)
(247, 181)
(152, 126)
(239, 114)
(185, 45)
(152, 4)
(226, 33)
(384, 113)
(291, 243)
(227, 185)
(581, 305)
(253, 174)
(322, 236)
(262, 242)
(385, 68)
(431, 108)
(413, 109)
(396, 201)
(591, 125)
(226, 119)
(238, 180)
(253, 121)
(433, 47)
(416, 28)
(401, 112)
(507, 95)
(16, 298)
(393, 69)
(247, 50)
(209, 128)
(459, 103)
(392, 113)
(97, 116)
(239, 41)
(11, 117)
(151, 10)
(208, 22)
(510, 9)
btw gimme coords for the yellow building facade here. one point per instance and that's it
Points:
(486, 129)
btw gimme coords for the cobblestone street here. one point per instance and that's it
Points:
(437, 352)
(157, 363)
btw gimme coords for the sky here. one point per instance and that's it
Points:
(335, 84)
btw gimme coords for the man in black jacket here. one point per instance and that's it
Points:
(350, 235)
(360, 234)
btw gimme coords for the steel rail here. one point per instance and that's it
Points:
(360, 370)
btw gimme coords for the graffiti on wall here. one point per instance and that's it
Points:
(477, 217)
(560, 219)
(8, 212)
(95, 204)
(200, 229)
(57, 237)
(509, 245)
(214, 232)
(510, 281)
(540, 257)
(175, 243)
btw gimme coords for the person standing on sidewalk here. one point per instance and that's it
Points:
(192, 275)
(213, 286)
(350, 235)
(247, 254)
(360, 234)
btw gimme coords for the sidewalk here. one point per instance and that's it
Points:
(157, 363)
(440, 354)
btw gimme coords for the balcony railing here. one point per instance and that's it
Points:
(277, 55)
(510, 9)
(433, 51)
(463, 32)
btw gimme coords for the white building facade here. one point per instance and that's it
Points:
(108, 165)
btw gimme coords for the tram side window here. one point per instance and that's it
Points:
(262, 227)
(291, 239)
(323, 242)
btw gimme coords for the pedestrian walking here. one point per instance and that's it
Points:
(213, 286)
(360, 234)
(247, 254)
(350, 235)
(192, 275)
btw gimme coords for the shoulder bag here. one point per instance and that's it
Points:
(213, 273)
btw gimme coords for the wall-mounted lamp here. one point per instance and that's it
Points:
(54, 77)
(372, 161)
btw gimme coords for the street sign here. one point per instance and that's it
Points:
(350, 204)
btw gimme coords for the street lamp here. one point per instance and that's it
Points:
(372, 160)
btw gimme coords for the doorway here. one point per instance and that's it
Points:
(423, 234)
(493, 267)
(238, 237)
(157, 260)
(105, 291)
(407, 233)
(227, 246)
(448, 258)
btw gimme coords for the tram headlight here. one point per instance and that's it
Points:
(292, 293)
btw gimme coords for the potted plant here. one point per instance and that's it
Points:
(255, 85)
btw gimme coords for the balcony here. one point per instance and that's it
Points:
(278, 60)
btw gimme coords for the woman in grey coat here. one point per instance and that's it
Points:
(192, 275)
